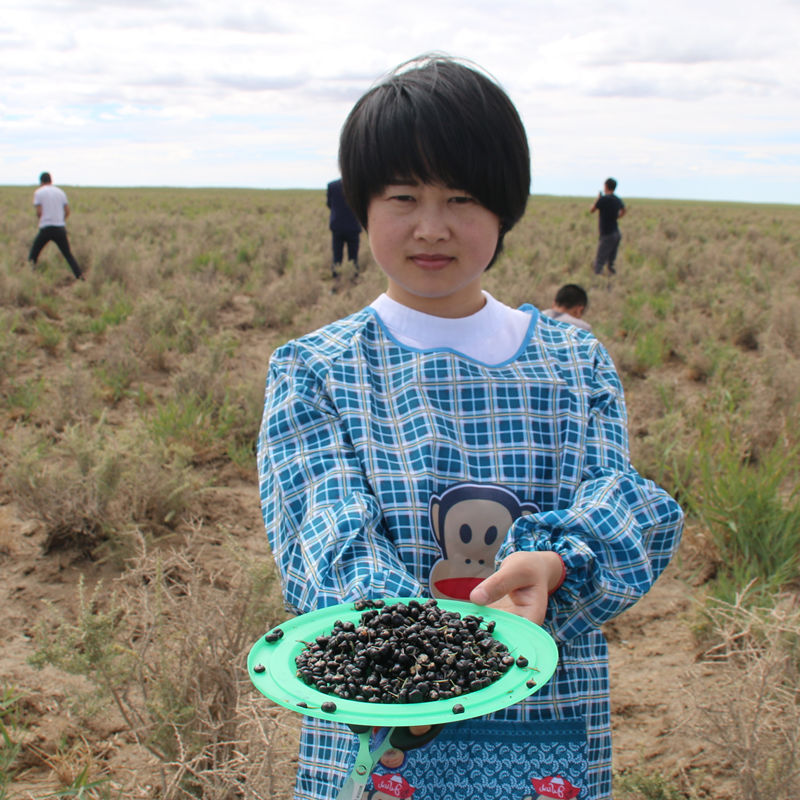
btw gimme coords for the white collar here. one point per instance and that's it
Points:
(492, 334)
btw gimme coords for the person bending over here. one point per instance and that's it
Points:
(569, 305)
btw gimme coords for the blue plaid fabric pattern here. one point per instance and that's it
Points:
(360, 431)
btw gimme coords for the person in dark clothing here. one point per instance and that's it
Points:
(52, 209)
(610, 208)
(345, 228)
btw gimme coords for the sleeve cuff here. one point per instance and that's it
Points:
(562, 578)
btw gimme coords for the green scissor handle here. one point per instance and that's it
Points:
(366, 759)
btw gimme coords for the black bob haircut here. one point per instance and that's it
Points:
(437, 120)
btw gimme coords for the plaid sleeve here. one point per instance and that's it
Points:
(619, 530)
(324, 524)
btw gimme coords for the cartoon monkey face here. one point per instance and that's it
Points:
(470, 522)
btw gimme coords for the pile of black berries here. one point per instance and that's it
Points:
(404, 654)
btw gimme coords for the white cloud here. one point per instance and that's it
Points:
(194, 92)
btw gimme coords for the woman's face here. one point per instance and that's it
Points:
(434, 244)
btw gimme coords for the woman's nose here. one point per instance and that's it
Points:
(432, 225)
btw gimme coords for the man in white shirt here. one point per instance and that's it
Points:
(52, 209)
(570, 302)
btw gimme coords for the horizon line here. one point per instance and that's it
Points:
(212, 187)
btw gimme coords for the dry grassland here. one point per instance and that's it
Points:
(135, 569)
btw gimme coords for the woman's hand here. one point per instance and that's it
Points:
(393, 758)
(522, 584)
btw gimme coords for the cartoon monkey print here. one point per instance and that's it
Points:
(470, 521)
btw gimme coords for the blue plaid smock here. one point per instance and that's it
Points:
(359, 432)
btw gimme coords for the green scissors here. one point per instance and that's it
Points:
(398, 737)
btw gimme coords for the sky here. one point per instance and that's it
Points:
(683, 99)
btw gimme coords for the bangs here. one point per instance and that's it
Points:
(408, 143)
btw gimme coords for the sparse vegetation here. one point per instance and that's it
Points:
(167, 658)
(750, 507)
(752, 717)
(643, 785)
(130, 404)
(9, 746)
(93, 485)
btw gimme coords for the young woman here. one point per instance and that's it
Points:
(440, 443)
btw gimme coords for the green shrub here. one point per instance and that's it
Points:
(9, 746)
(22, 400)
(115, 311)
(752, 512)
(48, 336)
(640, 785)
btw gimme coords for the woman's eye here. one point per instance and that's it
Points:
(462, 199)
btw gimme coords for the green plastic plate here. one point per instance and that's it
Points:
(272, 670)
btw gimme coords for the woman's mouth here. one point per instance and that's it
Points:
(431, 261)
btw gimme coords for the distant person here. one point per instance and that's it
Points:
(52, 209)
(345, 228)
(570, 302)
(610, 209)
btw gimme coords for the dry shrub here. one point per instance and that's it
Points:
(285, 297)
(110, 265)
(782, 377)
(168, 647)
(19, 288)
(9, 344)
(202, 301)
(71, 399)
(785, 326)
(152, 329)
(74, 764)
(119, 366)
(93, 483)
(192, 631)
(203, 372)
(172, 321)
(752, 720)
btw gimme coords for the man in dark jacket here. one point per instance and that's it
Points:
(345, 228)
(610, 209)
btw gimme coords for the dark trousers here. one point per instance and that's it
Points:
(339, 241)
(607, 252)
(57, 234)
